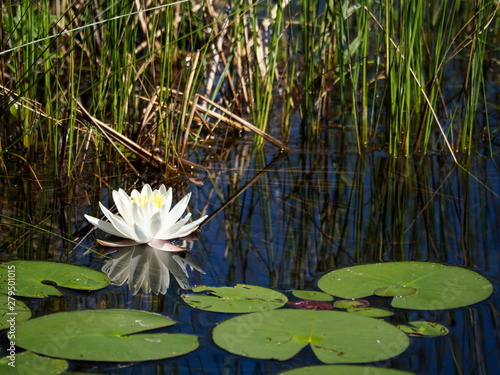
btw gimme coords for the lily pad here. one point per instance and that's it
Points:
(344, 369)
(39, 279)
(12, 311)
(238, 299)
(103, 335)
(312, 295)
(370, 311)
(424, 329)
(395, 291)
(351, 303)
(311, 305)
(334, 336)
(420, 285)
(29, 363)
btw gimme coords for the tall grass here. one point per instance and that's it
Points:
(405, 76)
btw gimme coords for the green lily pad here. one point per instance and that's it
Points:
(424, 329)
(344, 369)
(38, 279)
(238, 299)
(395, 291)
(12, 311)
(334, 336)
(312, 295)
(351, 303)
(29, 363)
(370, 311)
(437, 286)
(103, 335)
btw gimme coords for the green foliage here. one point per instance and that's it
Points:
(238, 299)
(424, 329)
(387, 72)
(333, 336)
(90, 334)
(39, 279)
(29, 363)
(11, 307)
(414, 285)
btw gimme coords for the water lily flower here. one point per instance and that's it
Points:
(146, 217)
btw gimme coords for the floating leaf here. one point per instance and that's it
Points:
(38, 279)
(424, 329)
(103, 335)
(370, 311)
(12, 311)
(395, 291)
(29, 363)
(344, 369)
(334, 336)
(351, 303)
(437, 286)
(311, 305)
(238, 299)
(312, 295)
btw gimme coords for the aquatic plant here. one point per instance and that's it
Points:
(147, 218)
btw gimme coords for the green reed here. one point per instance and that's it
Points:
(387, 72)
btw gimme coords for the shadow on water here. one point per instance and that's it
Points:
(286, 219)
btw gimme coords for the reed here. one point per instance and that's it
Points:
(386, 72)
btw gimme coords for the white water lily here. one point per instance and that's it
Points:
(146, 217)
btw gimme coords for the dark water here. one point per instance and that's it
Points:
(295, 217)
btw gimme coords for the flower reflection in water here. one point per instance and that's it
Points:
(149, 269)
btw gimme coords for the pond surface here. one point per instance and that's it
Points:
(292, 217)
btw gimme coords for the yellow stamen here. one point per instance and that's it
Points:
(156, 198)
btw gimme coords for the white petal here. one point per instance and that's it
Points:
(119, 224)
(146, 190)
(106, 226)
(141, 235)
(163, 190)
(188, 228)
(149, 209)
(177, 211)
(124, 205)
(155, 224)
(165, 208)
(168, 230)
(138, 214)
(135, 195)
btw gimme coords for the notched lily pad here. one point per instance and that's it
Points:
(418, 285)
(424, 329)
(334, 336)
(38, 278)
(103, 335)
(312, 295)
(238, 299)
(29, 363)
